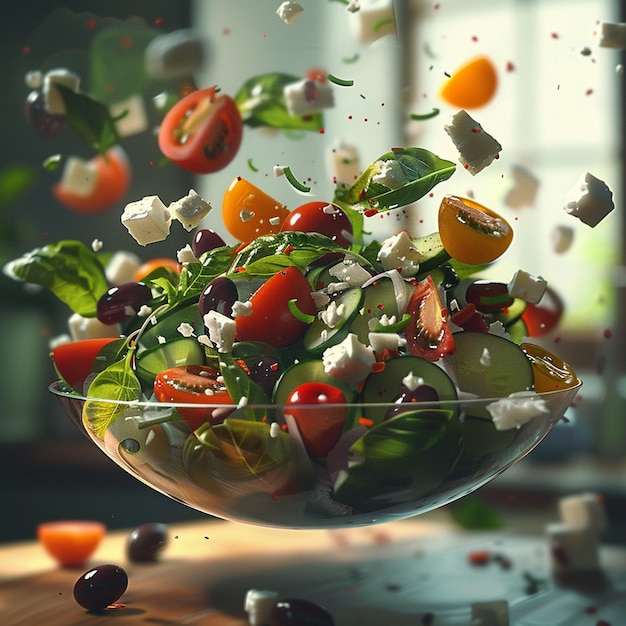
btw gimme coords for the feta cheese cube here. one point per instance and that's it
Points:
(573, 549)
(221, 330)
(383, 341)
(134, 119)
(79, 177)
(90, 328)
(611, 35)
(524, 190)
(147, 220)
(258, 604)
(34, 79)
(398, 252)
(477, 148)
(190, 210)
(590, 200)
(585, 510)
(375, 22)
(516, 409)
(52, 96)
(527, 287)
(289, 11)
(562, 238)
(349, 361)
(308, 96)
(121, 267)
(490, 613)
(174, 54)
(344, 165)
(389, 173)
(350, 272)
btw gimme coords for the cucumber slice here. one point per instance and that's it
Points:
(490, 366)
(167, 325)
(174, 353)
(319, 336)
(433, 252)
(386, 386)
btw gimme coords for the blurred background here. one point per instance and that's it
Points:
(558, 113)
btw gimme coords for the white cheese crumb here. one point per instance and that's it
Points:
(320, 299)
(383, 320)
(147, 220)
(349, 361)
(161, 339)
(412, 382)
(204, 341)
(96, 245)
(398, 252)
(186, 255)
(333, 314)
(258, 604)
(350, 272)
(221, 330)
(516, 410)
(53, 100)
(524, 190)
(353, 6)
(90, 328)
(562, 238)
(274, 429)
(144, 310)
(527, 287)
(383, 341)
(34, 79)
(241, 309)
(590, 200)
(485, 358)
(308, 96)
(186, 329)
(389, 173)
(289, 11)
(477, 148)
(190, 210)
(279, 170)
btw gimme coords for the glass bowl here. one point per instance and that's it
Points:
(381, 469)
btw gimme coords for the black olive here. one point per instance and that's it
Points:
(146, 542)
(100, 587)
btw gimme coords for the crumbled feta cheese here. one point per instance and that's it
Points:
(169, 55)
(584, 510)
(383, 341)
(332, 288)
(383, 320)
(354, 6)
(96, 245)
(398, 252)
(144, 310)
(308, 96)
(389, 173)
(274, 221)
(241, 309)
(147, 220)
(590, 200)
(274, 429)
(205, 341)
(34, 79)
(611, 35)
(412, 382)
(186, 329)
(52, 96)
(349, 361)
(289, 11)
(133, 120)
(562, 238)
(485, 358)
(350, 272)
(332, 314)
(161, 339)
(527, 287)
(344, 164)
(516, 410)
(320, 299)
(376, 22)
(279, 170)
(221, 330)
(490, 613)
(90, 328)
(477, 148)
(79, 177)
(524, 190)
(121, 267)
(190, 210)
(258, 604)
(186, 255)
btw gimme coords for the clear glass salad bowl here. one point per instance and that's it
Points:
(413, 459)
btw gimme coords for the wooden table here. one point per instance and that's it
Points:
(398, 574)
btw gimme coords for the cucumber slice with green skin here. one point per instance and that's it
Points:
(168, 324)
(489, 366)
(387, 385)
(320, 336)
(432, 250)
(174, 353)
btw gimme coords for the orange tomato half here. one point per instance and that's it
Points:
(549, 371)
(70, 543)
(113, 177)
(154, 264)
(472, 85)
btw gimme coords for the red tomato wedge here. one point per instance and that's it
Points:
(70, 543)
(202, 132)
(73, 360)
(428, 334)
(271, 320)
(112, 180)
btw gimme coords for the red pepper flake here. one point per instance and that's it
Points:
(591, 610)
(474, 38)
(479, 557)
(366, 421)
(387, 354)
(510, 67)
(241, 268)
(476, 129)
(322, 131)
(554, 35)
(159, 21)
(608, 333)
(240, 247)
(588, 92)
(466, 166)
(283, 427)
(380, 307)
(378, 367)
(243, 365)
(126, 43)
(370, 212)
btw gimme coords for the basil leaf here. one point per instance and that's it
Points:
(421, 168)
(90, 119)
(69, 269)
(240, 385)
(261, 102)
(471, 513)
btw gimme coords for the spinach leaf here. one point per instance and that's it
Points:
(261, 102)
(69, 269)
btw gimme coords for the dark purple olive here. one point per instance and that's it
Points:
(219, 295)
(295, 612)
(204, 240)
(408, 400)
(44, 123)
(146, 542)
(265, 371)
(100, 587)
(122, 302)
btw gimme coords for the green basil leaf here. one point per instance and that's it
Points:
(69, 269)
(261, 102)
(472, 513)
(240, 385)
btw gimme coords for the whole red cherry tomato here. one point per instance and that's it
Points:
(271, 319)
(320, 217)
(320, 426)
(202, 132)
(194, 384)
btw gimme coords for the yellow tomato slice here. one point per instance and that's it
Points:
(549, 371)
(472, 85)
(472, 233)
(248, 212)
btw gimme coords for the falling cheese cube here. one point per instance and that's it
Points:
(147, 220)
(174, 54)
(590, 200)
(54, 102)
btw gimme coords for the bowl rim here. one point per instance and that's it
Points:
(461, 402)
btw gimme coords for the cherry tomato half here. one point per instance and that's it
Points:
(202, 132)
(194, 384)
(70, 542)
(271, 320)
(549, 371)
(472, 85)
(321, 217)
(112, 179)
(428, 334)
(320, 426)
(248, 212)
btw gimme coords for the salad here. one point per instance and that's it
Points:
(304, 364)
